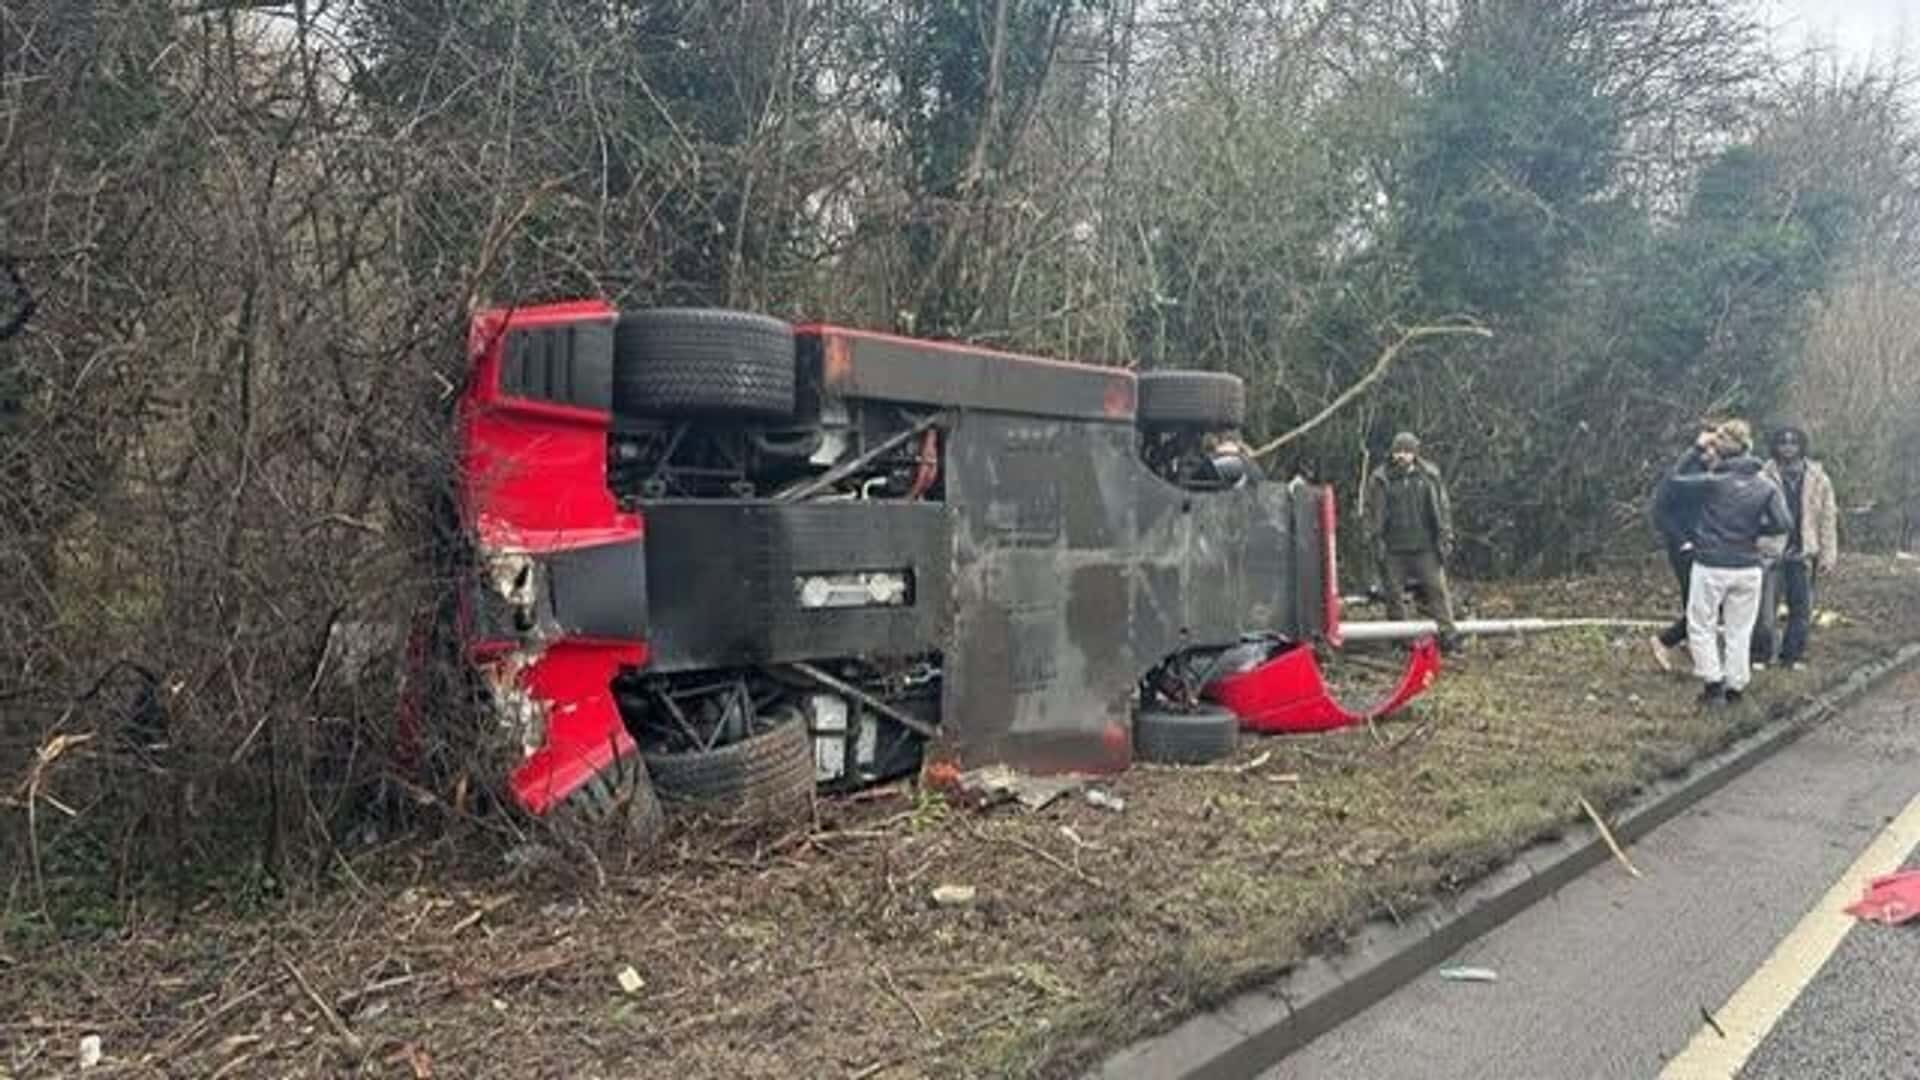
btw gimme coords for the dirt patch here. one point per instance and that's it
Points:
(824, 953)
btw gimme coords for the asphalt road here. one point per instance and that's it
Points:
(1610, 977)
(1857, 1016)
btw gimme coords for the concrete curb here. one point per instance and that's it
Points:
(1256, 1030)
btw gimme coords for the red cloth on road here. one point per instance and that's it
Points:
(1892, 899)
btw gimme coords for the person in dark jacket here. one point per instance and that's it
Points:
(1409, 526)
(1737, 505)
(1812, 547)
(1674, 519)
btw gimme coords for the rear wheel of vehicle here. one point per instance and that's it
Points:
(1211, 399)
(701, 362)
(617, 811)
(766, 777)
(1185, 738)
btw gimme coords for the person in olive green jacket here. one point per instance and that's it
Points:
(1409, 525)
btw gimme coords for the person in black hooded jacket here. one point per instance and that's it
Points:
(1737, 505)
(1674, 518)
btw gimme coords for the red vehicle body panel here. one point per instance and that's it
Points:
(1288, 694)
(534, 483)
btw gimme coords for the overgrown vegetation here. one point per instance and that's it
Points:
(251, 233)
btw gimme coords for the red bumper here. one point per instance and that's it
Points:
(1288, 694)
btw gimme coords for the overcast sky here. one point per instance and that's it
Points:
(1861, 31)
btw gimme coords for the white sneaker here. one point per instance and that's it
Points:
(1661, 657)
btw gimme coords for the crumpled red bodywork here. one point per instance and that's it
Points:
(1892, 899)
(534, 485)
(1288, 694)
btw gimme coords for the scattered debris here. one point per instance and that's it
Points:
(955, 895)
(1607, 835)
(90, 1051)
(1106, 800)
(1470, 974)
(1256, 763)
(1892, 899)
(563, 909)
(630, 981)
(996, 784)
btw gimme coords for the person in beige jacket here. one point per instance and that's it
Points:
(1796, 560)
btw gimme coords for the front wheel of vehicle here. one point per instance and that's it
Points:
(617, 813)
(702, 363)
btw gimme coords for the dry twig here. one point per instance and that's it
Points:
(327, 1011)
(1607, 835)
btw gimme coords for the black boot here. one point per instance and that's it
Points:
(1713, 694)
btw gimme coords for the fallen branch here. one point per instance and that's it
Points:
(1607, 835)
(327, 1011)
(1379, 371)
(545, 962)
(893, 988)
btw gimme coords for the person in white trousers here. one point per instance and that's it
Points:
(1737, 505)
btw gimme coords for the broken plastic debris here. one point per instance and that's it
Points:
(90, 1051)
(954, 895)
(630, 980)
(1106, 800)
(1892, 899)
(1469, 974)
(997, 784)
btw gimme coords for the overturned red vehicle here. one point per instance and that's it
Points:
(736, 559)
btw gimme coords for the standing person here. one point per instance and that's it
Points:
(1675, 518)
(1812, 545)
(1737, 505)
(1409, 523)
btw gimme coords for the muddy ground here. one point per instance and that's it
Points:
(823, 954)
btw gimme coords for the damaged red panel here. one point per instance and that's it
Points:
(1288, 694)
(1892, 899)
(534, 423)
(534, 426)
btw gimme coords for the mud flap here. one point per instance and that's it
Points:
(1288, 694)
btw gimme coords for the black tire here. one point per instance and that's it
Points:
(702, 362)
(1185, 738)
(617, 811)
(1211, 399)
(766, 777)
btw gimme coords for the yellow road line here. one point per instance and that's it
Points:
(1760, 1002)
